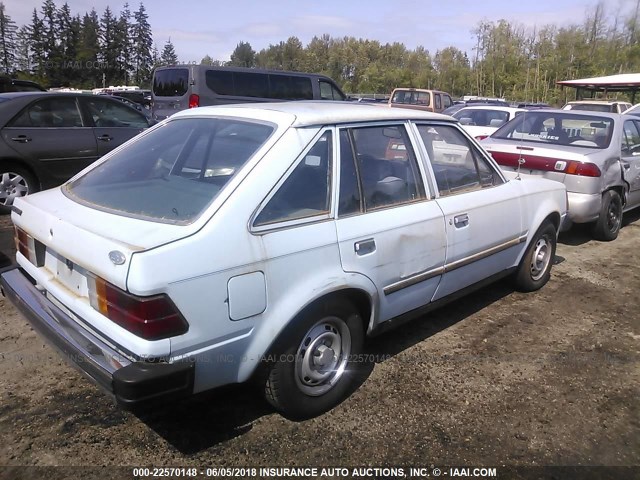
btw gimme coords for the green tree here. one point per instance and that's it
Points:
(109, 52)
(243, 56)
(142, 47)
(168, 56)
(8, 32)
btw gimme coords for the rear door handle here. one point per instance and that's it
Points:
(105, 138)
(365, 247)
(21, 139)
(461, 220)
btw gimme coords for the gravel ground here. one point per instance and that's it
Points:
(499, 378)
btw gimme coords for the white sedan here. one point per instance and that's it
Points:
(482, 121)
(266, 241)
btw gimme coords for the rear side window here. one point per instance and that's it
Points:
(172, 173)
(259, 85)
(457, 166)
(172, 82)
(329, 91)
(50, 113)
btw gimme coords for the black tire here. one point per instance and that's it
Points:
(297, 384)
(535, 267)
(15, 181)
(607, 227)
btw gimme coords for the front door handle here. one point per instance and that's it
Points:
(461, 220)
(21, 139)
(105, 138)
(365, 247)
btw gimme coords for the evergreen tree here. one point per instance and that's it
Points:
(51, 44)
(108, 48)
(23, 51)
(90, 74)
(37, 47)
(243, 56)
(8, 31)
(142, 42)
(168, 56)
(123, 44)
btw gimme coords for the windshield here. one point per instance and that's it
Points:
(172, 82)
(174, 172)
(557, 128)
(593, 107)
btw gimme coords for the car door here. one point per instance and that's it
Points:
(388, 229)
(482, 212)
(630, 155)
(51, 133)
(114, 123)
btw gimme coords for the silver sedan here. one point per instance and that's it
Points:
(596, 155)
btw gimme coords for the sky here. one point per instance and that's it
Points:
(214, 28)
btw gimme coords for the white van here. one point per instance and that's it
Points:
(188, 86)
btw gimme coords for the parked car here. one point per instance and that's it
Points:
(46, 138)
(458, 105)
(420, 99)
(635, 110)
(596, 155)
(8, 84)
(598, 106)
(266, 242)
(180, 87)
(480, 122)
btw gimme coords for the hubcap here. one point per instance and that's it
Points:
(613, 216)
(322, 356)
(540, 259)
(12, 186)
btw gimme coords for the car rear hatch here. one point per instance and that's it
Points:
(170, 91)
(71, 240)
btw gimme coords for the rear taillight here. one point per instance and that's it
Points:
(29, 247)
(584, 169)
(548, 164)
(151, 318)
(194, 100)
(481, 137)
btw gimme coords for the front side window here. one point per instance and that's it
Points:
(50, 113)
(457, 166)
(329, 92)
(172, 173)
(306, 192)
(576, 130)
(107, 113)
(387, 167)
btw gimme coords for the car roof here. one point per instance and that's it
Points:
(576, 113)
(493, 107)
(595, 102)
(318, 112)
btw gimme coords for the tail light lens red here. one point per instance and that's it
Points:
(481, 137)
(31, 248)
(548, 164)
(152, 318)
(194, 100)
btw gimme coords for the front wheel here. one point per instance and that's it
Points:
(318, 364)
(535, 267)
(607, 227)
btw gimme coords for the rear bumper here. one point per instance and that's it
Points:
(584, 207)
(130, 382)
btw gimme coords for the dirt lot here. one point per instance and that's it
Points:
(501, 378)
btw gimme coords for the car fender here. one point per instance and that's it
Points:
(299, 297)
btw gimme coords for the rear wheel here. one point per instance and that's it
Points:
(14, 182)
(607, 227)
(318, 364)
(535, 267)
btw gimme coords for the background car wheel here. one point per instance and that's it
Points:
(319, 362)
(609, 222)
(14, 182)
(535, 267)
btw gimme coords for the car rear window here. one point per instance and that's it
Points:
(174, 172)
(588, 131)
(171, 82)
